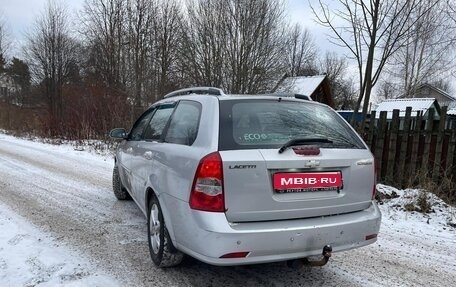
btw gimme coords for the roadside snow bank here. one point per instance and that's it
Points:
(412, 207)
(29, 257)
(98, 147)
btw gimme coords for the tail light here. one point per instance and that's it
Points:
(374, 189)
(207, 189)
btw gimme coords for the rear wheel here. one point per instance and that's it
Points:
(119, 191)
(161, 248)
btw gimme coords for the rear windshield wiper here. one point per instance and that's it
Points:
(303, 141)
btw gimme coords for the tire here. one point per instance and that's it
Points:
(161, 248)
(119, 191)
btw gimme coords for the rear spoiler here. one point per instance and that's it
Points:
(289, 95)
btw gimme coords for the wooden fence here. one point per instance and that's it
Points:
(406, 146)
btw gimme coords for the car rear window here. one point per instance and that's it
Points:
(251, 124)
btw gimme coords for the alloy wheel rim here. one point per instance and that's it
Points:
(154, 226)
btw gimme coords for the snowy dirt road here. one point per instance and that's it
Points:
(67, 194)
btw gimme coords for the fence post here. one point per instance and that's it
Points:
(393, 131)
(370, 138)
(450, 164)
(402, 172)
(416, 144)
(427, 141)
(436, 172)
(380, 143)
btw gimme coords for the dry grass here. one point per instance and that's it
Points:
(444, 187)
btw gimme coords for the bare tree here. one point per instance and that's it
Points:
(341, 84)
(372, 31)
(4, 42)
(444, 84)
(19, 71)
(427, 54)
(301, 52)
(255, 44)
(334, 66)
(452, 10)
(105, 31)
(452, 18)
(387, 90)
(203, 50)
(166, 35)
(51, 52)
(152, 43)
(137, 40)
(234, 44)
(134, 46)
(345, 94)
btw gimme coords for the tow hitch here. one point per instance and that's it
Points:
(298, 263)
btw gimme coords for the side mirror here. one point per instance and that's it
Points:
(118, 133)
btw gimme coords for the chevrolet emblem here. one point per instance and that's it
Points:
(312, 163)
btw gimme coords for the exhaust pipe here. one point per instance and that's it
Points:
(299, 263)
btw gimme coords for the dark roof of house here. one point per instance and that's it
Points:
(440, 91)
(317, 87)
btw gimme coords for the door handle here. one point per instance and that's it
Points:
(148, 155)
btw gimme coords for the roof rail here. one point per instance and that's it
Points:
(289, 95)
(196, 90)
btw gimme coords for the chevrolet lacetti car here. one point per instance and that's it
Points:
(243, 179)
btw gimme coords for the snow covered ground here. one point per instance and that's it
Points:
(60, 225)
(400, 207)
(30, 257)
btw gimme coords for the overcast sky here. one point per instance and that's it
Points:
(20, 15)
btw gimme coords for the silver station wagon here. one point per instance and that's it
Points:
(243, 179)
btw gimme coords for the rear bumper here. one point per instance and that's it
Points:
(207, 236)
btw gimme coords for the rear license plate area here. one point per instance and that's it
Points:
(307, 182)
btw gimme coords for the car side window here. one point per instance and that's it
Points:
(139, 126)
(158, 122)
(184, 123)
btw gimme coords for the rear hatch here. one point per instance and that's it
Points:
(330, 172)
